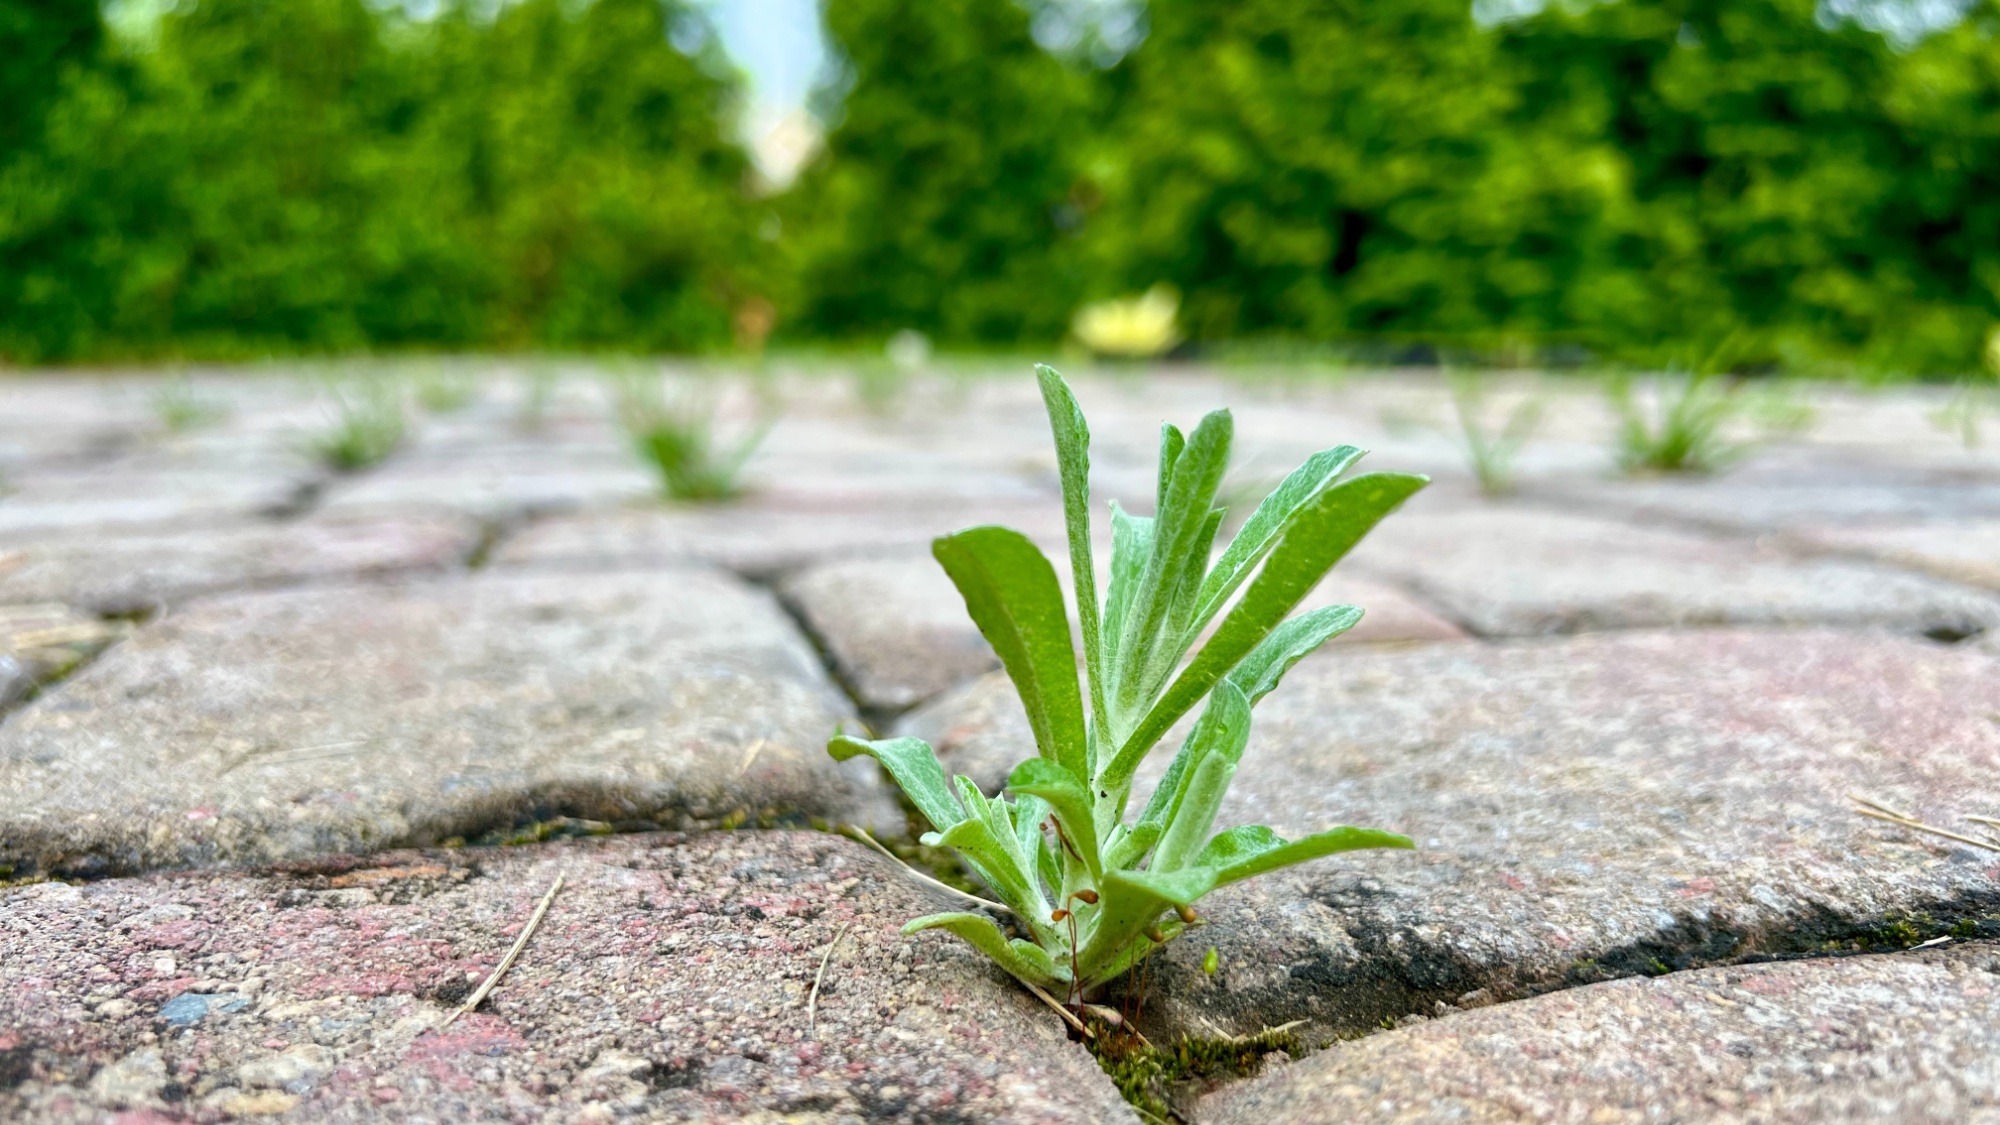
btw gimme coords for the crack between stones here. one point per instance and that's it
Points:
(876, 716)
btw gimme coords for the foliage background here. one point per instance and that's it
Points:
(1635, 180)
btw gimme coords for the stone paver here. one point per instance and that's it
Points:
(761, 536)
(979, 729)
(41, 642)
(1906, 1038)
(1509, 571)
(131, 571)
(895, 627)
(507, 481)
(1961, 550)
(1598, 806)
(671, 980)
(283, 725)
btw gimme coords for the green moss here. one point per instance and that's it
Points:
(1149, 1076)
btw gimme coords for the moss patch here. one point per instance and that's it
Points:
(1162, 1083)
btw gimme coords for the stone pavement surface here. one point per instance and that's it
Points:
(1909, 1038)
(280, 725)
(672, 979)
(216, 654)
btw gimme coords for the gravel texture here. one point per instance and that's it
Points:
(1904, 1038)
(671, 981)
(285, 725)
(1511, 571)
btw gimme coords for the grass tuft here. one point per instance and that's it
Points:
(368, 424)
(180, 409)
(1491, 453)
(1683, 433)
(675, 433)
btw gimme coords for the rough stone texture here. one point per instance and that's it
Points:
(121, 572)
(39, 643)
(149, 492)
(669, 982)
(1525, 572)
(1787, 490)
(1906, 1038)
(1962, 550)
(1602, 806)
(282, 725)
(759, 536)
(896, 627)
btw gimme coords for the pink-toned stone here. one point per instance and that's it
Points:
(672, 980)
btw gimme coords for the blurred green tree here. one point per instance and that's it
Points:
(953, 181)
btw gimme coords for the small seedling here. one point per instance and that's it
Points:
(1684, 433)
(538, 393)
(442, 391)
(675, 434)
(1960, 416)
(180, 409)
(367, 425)
(1091, 890)
(1491, 453)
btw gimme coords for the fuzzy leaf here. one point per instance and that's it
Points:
(1288, 644)
(1253, 849)
(1039, 777)
(1318, 537)
(992, 857)
(1225, 725)
(1266, 526)
(1131, 901)
(1011, 592)
(1072, 437)
(1195, 813)
(1131, 544)
(1171, 444)
(1176, 528)
(1024, 959)
(914, 765)
(1130, 843)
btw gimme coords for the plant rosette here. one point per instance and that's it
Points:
(1092, 890)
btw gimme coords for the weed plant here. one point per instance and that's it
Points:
(537, 395)
(443, 391)
(367, 425)
(1683, 433)
(1490, 453)
(1960, 415)
(1091, 890)
(180, 409)
(675, 433)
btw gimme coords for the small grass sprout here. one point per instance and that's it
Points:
(1960, 415)
(440, 390)
(180, 409)
(368, 425)
(1489, 452)
(675, 433)
(1092, 890)
(1684, 431)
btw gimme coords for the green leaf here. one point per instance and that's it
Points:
(1191, 819)
(1131, 544)
(914, 765)
(1072, 437)
(1266, 526)
(1171, 444)
(1176, 528)
(1130, 843)
(992, 857)
(1129, 902)
(1011, 592)
(1322, 533)
(1174, 639)
(1253, 849)
(1024, 959)
(1288, 644)
(1039, 777)
(1224, 727)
